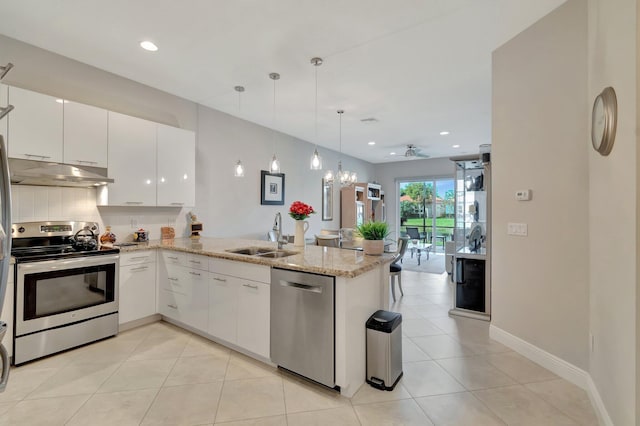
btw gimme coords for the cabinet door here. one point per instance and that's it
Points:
(253, 317)
(197, 310)
(4, 101)
(132, 162)
(36, 126)
(137, 292)
(176, 166)
(85, 135)
(223, 307)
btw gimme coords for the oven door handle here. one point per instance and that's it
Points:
(61, 264)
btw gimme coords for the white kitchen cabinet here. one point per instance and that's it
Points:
(183, 292)
(137, 285)
(85, 135)
(223, 307)
(239, 304)
(132, 162)
(176, 150)
(4, 101)
(253, 317)
(7, 313)
(35, 125)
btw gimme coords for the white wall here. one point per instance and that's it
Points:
(613, 212)
(389, 174)
(540, 290)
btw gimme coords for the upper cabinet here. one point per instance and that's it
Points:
(151, 164)
(132, 162)
(35, 125)
(176, 166)
(85, 135)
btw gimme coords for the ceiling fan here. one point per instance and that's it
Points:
(414, 152)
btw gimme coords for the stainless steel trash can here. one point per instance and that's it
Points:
(384, 349)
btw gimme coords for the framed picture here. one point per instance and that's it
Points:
(327, 200)
(272, 188)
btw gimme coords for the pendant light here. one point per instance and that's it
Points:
(238, 169)
(274, 165)
(316, 160)
(342, 176)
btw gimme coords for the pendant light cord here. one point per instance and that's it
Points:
(316, 112)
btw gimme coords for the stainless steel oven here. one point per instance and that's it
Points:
(64, 297)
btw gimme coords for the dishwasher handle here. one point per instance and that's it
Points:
(303, 287)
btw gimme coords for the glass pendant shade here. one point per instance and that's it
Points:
(316, 161)
(274, 166)
(328, 176)
(238, 170)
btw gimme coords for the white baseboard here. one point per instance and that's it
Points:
(556, 365)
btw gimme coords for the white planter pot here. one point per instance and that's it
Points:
(373, 247)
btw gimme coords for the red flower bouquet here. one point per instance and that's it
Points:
(300, 210)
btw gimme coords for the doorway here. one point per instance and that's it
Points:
(426, 208)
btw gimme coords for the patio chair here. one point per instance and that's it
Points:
(413, 233)
(395, 270)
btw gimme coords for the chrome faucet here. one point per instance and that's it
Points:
(277, 228)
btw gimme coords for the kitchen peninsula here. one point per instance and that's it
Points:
(202, 285)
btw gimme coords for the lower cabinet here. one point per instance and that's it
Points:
(239, 304)
(253, 317)
(137, 285)
(183, 293)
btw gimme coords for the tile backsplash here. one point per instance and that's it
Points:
(42, 203)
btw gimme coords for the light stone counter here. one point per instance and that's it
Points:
(311, 258)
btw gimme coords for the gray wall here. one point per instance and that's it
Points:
(613, 212)
(540, 282)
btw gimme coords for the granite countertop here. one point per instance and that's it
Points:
(311, 258)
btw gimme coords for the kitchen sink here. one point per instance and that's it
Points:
(251, 251)
(267, 252)
(277, 254)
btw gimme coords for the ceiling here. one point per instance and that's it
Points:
(418, 67)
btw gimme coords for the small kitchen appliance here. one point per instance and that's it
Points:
(66, 287)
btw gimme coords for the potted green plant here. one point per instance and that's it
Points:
(373, 234)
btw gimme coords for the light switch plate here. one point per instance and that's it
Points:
(519, 229)
(523, 195)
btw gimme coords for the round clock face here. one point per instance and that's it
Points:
(604, 120)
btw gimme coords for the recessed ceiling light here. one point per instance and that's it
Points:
(148, 45)
(444, 133)
(455, 146)
(372, 143)
(392, 153)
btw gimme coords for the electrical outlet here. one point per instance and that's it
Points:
(523, 195)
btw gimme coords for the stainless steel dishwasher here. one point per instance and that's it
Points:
(302, 324)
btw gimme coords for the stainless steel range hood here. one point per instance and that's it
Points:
(28, 172)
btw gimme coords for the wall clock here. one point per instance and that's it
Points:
(603, 121)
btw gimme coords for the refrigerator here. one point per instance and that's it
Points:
(5, 240)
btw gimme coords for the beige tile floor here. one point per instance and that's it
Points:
(161, 375)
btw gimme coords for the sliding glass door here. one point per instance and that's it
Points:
(427, 210)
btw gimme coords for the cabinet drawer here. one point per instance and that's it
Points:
(137, 257)
(198, 262)
(192, 310)
(248, 271)
(174, 258)
(175, 279)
